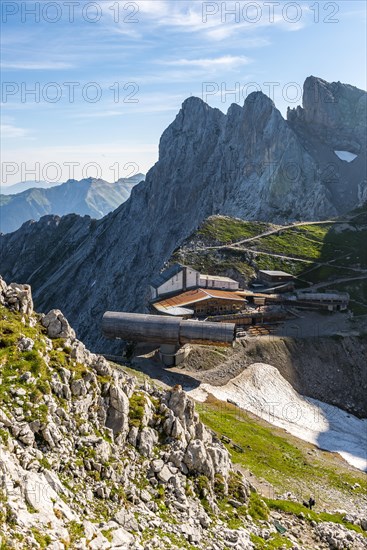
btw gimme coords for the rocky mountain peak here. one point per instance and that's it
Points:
(259, 112)
(258, 100)
(250, 164)
(195, 123)
(193, 103)
(336, 106)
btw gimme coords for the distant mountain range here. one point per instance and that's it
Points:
(25, 185)
(92, 197)
(250, 163)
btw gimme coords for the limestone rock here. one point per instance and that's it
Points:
(147, 439)
(5, 420)
(157, 465)
(72, 466)
(18, 297)
(26, 435)
(3, 289)
(25, 344)
(99, 543)
(57, 325)
(122, 539)
(165, 474)
(196, 459)
(182, 406)
(117, 414)
(78, 388)
(127, 520)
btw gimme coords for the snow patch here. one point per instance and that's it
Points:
(262, 390)
(345, 155)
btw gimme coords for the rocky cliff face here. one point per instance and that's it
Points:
(333, 118)
(250, 163)
(91, 458)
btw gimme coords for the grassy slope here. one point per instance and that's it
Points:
(278, 462)
(221, 229)
(283, 461)
(15, 363)
(343, 246)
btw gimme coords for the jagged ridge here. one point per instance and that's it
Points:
(250, 163)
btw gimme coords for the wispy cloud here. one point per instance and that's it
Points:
(216, 22)
(10, 131)
(37, 66)
(223, 62)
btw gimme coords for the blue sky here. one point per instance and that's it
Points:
(133, 67)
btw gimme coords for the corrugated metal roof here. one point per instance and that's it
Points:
(342, 296)
(175, 311)
(188, 297)
(198, 295)
(275, 273)
(224, 294)
(218, 278)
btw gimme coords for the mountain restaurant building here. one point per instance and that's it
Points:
(201, 302)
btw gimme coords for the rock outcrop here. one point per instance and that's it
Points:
(85, 448)
(16, 297)
(57, 325)
(249, 163)
(93, 459)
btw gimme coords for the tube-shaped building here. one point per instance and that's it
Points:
(162, 329)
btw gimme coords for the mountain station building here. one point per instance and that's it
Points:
(182, 291)
(180, 278)
(201, 302)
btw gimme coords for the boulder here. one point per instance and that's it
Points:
(165, 474)
(147, 439)
(126, 519)
(99, 543)
(3, 289)
(133, 436)
(118, 411)
(57, 325)
(25, 344)
(26, 435)
(196, 459)
(78, 388)
(182, 406)
(5, 420)
(122, 539)
(17, 297)
(156, 465)
(101, 366)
